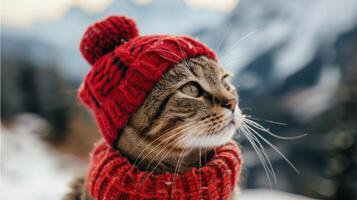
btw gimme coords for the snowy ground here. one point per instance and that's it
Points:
(31, 170)
(266, 194)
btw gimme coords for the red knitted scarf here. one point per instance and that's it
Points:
(112, 176)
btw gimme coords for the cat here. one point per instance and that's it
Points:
(189, 112)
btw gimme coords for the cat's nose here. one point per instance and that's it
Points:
(230, 104)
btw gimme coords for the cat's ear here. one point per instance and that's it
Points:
(103, 36)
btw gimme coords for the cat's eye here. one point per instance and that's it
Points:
(225, 82)
(192, 89)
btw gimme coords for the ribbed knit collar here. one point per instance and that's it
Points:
(112, 176)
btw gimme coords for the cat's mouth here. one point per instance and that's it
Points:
(219, 137)
(237, 119)
(213, 139)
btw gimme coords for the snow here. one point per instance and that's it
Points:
(29, 168)
(254, 194)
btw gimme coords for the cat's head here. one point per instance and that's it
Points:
(168, 88)
(192, 106)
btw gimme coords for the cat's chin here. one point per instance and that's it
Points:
(211, 140)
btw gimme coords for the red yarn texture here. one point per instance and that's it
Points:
(126, 67)
(111, 176)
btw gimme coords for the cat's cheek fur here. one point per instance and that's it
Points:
(213, 140)
(238, 117)
(217, 139)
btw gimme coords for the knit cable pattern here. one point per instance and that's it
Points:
(112, 176)
(125, 67)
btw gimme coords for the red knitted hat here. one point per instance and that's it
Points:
(125, 67)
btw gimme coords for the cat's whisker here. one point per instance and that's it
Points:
(260, 127)
(231, 59)
(166, 51)
(163, 141)
(275, 148)
(226, 52)
(162, 158)
(262, 151)
(178, 165)
(206, 149)
(265, 120)
(261, 158)
(148, 146)
(188, 127)
(185, 60)
(221, 38)
(182, 53)
(173, 145)
(169, 131)
(200, 157)
(152, 142)
(176, 168)
(199, 165)
(144, 139)
(174, 61)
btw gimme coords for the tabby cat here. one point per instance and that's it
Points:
(191, 110)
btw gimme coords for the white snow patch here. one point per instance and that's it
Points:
(265, 194)
(29, 168)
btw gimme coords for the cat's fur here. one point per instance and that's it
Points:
(178, 121)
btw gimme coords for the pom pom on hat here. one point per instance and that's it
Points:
(102, 37)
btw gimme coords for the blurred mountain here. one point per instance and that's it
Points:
(286, 50)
